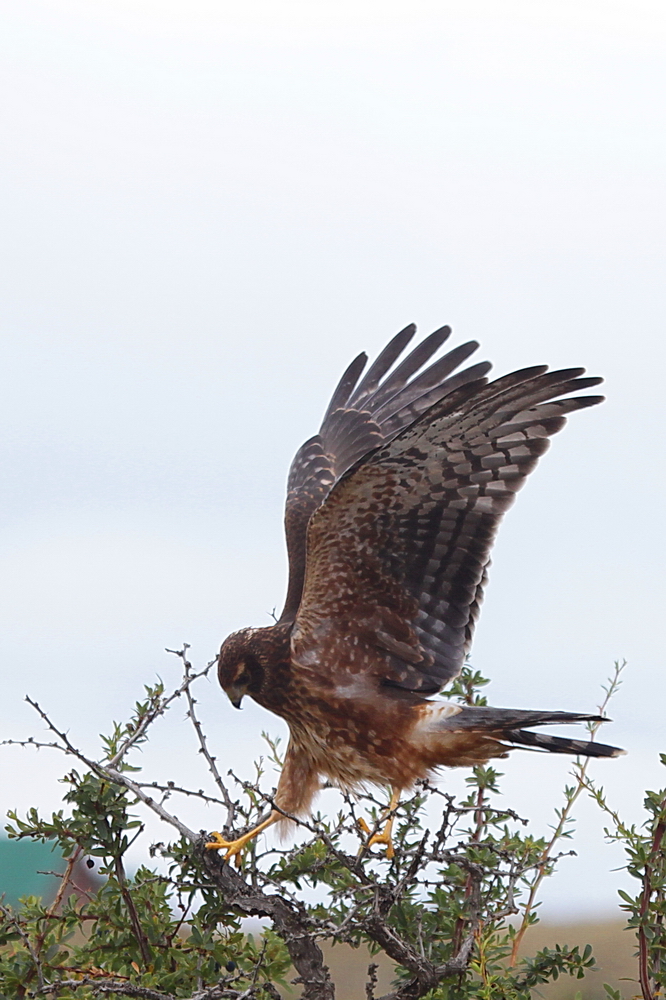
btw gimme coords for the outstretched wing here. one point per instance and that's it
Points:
(397, 554)
(360, 417)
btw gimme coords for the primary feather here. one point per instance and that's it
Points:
(359, 418)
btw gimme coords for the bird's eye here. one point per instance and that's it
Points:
(242, 675)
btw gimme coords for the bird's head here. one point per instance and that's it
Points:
(238, 669)
(253, 662)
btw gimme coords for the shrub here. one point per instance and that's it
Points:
(450, 909)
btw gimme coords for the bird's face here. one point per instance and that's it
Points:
(238, 670)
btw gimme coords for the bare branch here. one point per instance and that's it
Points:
(171, 787)
(121, 779)
(64, 739)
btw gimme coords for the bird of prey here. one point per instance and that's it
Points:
(391, 513)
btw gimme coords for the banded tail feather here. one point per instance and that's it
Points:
(560, 744)
(506, 724)
(485, 718)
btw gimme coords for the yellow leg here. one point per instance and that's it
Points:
(235, 847)
(385, 836)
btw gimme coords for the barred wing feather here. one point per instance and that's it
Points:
(398, 552)
(361, 416)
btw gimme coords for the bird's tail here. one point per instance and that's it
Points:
(506, 724)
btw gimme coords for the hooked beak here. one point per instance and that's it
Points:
(235, 695)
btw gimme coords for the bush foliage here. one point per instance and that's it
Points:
(450, 909)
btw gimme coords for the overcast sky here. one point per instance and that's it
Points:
(209, 209)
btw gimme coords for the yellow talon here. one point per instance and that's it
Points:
(385, 836)
(232, 847)
(215, 845)
(235, 847)
(379, 838)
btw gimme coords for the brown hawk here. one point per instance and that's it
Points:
(392, 509)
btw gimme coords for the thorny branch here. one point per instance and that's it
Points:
(203, 744)
(171, 787)
(122, 779)
(160, 706)
(103, 770)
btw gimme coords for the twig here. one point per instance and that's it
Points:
(144, 947)
(580, 773)
(122, 779)
(34, 955)
(644, 977)
(109, 986)
(105, 771)
(203, 745)
(160, 707)
(371, 983)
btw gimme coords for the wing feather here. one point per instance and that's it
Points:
(414, 361)
(398, 554)
(384, 362)
(391, 399)
(361, 416)
(346, 385)
(412, 410)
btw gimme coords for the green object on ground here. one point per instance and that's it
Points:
(20, 864)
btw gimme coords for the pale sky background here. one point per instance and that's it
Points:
(208, 210)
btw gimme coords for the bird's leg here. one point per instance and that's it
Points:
(385, 836)
(235, 847)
